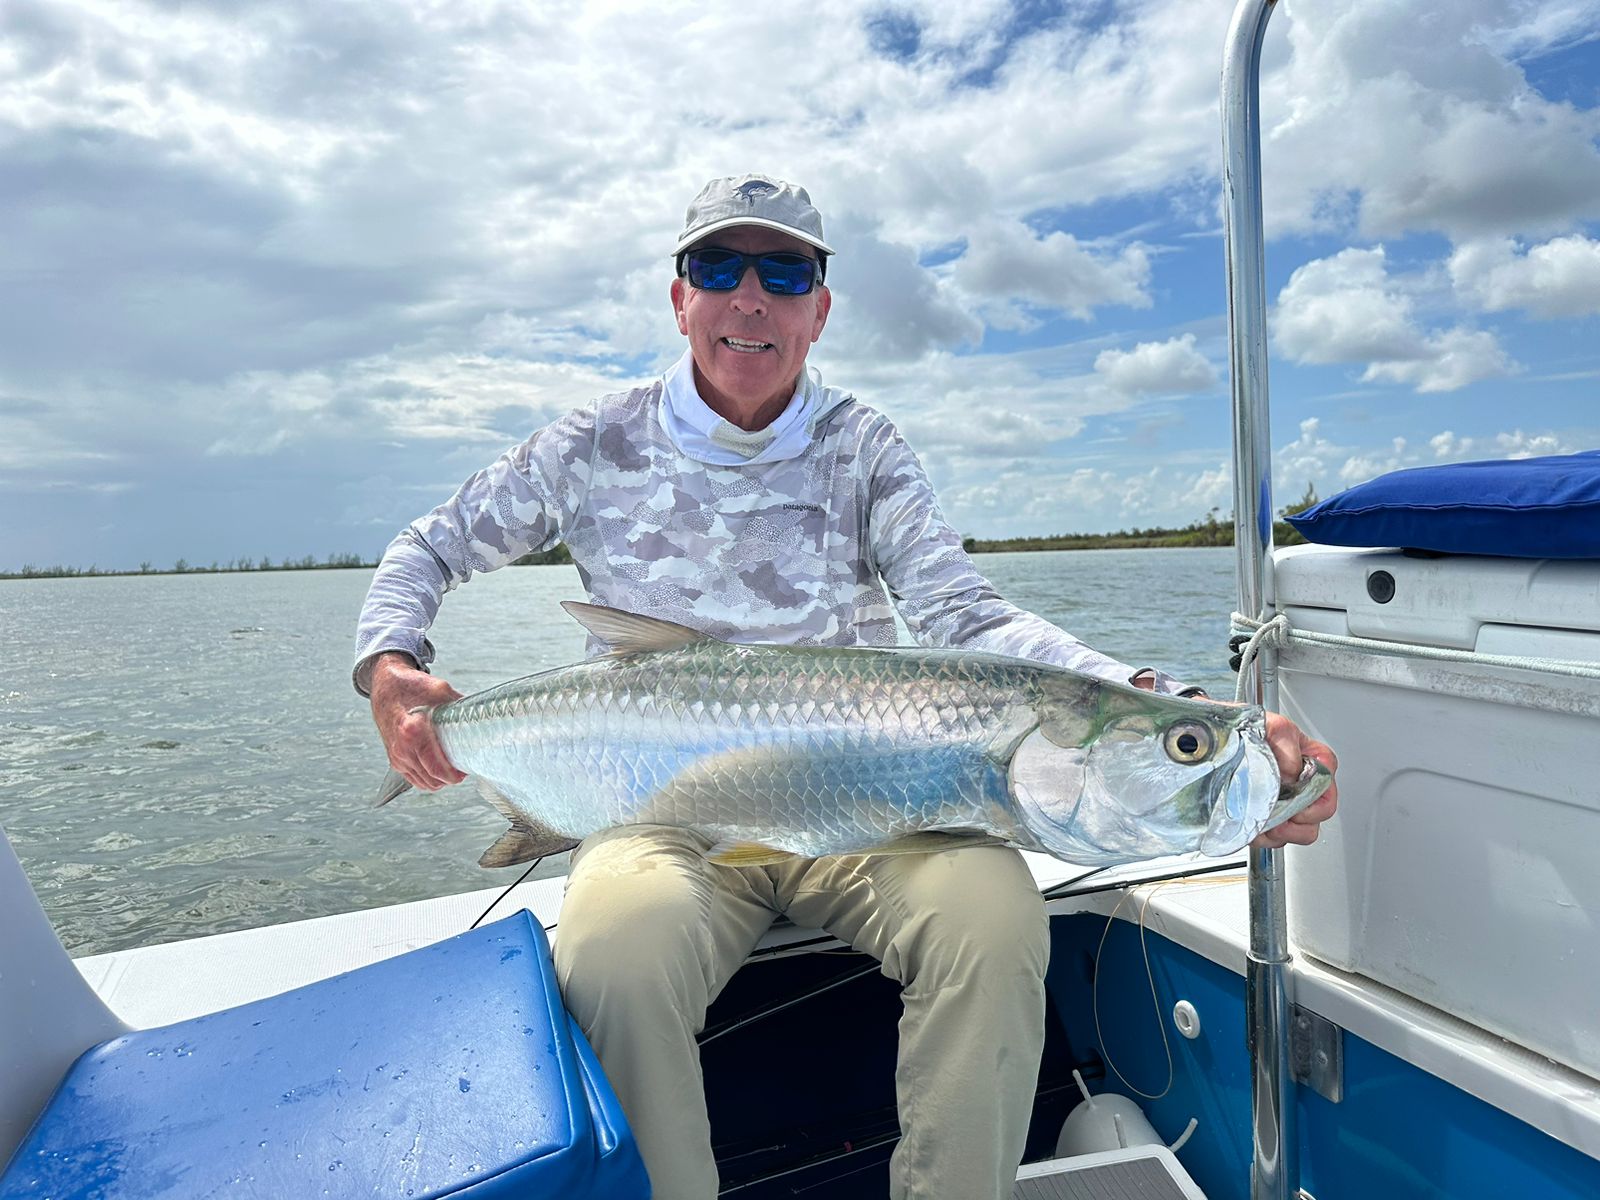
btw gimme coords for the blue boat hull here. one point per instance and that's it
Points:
(820, 1121)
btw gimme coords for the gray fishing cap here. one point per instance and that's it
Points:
(752, 200)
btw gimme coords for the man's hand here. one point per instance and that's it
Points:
(1290, 746)
(398, 688)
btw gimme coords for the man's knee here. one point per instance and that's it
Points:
(631, 934)
(990, 920)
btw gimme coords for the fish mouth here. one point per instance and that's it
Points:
(1250, 797)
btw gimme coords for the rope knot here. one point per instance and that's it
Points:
(1249, 635)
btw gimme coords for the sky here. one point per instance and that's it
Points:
(275, 278)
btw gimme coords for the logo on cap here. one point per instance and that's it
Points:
(754, 190)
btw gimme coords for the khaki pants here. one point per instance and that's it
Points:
(650, 933)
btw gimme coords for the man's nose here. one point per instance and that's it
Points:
(749, 297)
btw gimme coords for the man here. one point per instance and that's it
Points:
(739, 495)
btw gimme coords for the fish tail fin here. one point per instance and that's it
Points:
(394, 784)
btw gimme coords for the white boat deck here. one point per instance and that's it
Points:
(158, 985)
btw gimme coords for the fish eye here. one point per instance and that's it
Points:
(1189, 742)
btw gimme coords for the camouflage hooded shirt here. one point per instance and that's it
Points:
(807, 549)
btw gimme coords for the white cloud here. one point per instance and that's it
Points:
(1448, 446)
(1329, 467)
(1348, 308)
(1446, 362)
(1371, 464)
(1407, 115)
(1558, 278)
(1309, 459)
(1172, 367)
(1007, 265)
(1345, 309)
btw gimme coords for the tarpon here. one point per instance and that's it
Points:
(768, 751)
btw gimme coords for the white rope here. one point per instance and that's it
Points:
(1275, 632)
(1278, 633)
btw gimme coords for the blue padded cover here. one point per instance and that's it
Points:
(620, 1172)
(1523, 508)
(448, 1071)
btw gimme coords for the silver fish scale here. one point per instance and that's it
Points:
(843, 747)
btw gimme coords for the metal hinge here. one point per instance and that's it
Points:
(1316, 1054)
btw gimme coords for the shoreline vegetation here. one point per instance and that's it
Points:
(1210, 531)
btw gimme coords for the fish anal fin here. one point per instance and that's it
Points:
(526, 840)
(746, 854)
(524, 843)
(500, 802)
(934, 841)
(630, 633)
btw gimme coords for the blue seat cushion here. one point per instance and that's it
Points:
(448, 1071)
(1518, 508)
(621, 1172)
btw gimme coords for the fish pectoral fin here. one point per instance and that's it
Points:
(630, 633)
(934, 841)
(1067, 725)
(746, 854)
(1017, 725)
(524, 843)
(394, 784)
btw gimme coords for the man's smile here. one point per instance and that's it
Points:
(745, 347)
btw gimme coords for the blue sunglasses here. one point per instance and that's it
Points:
(782, 274)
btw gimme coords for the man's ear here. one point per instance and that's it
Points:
(679, 293)
(824, 303)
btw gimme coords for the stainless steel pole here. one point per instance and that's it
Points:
(1274, 1167)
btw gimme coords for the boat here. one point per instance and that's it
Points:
(1406, 1009)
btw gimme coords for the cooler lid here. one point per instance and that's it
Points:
(1460, 601)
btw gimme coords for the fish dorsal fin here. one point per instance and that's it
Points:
(630, 633)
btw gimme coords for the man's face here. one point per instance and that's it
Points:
(749, 347)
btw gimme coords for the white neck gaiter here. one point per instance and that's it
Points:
(703, 435)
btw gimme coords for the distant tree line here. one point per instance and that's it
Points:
(559, 555)
(184, 567)
(1208, 531)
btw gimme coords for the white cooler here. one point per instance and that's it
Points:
(1464, 865)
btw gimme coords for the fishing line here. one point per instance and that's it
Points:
(507, 892)
(851, 1148)
(1155, 1001)
(712, 1035)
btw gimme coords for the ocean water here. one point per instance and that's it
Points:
(183, 754)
